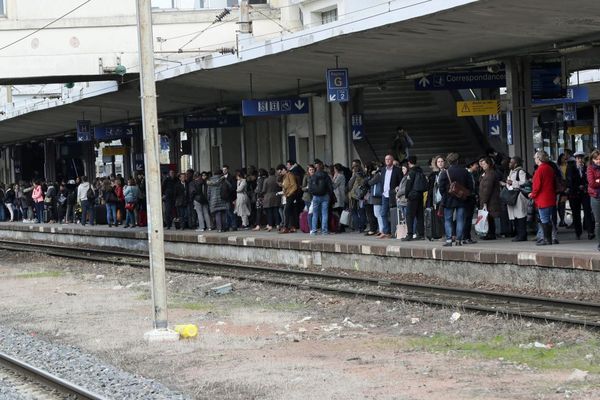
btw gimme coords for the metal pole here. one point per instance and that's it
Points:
(153, 182)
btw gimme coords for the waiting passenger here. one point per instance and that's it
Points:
(454, 205)
(593, 179)
(543, 194)
(218, 199)
(489, 195)
(199, 193)
(577, 192)
(242, 201)
(319, 187)
(270, 200)
(132, 195)
(110, 200)
(517, 212)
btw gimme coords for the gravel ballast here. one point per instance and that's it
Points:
(72, 365)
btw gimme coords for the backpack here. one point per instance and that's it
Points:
(317, 186)
(90, 194)
(420, 183)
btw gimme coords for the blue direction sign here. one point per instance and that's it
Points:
(84, 131)
(576, 94)
(494, 125)
(113, 132)
(211, 121)
(338, 85)
(461, 80)
(570, 112)
(358, 128)
(266, 107)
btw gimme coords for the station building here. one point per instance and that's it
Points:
(246, 82)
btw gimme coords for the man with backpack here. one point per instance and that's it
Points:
(416, 184)
(86, 196)
(169, 193)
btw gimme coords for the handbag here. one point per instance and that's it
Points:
(457, 190)
(345, 218)
(401, 230)
(509, 197)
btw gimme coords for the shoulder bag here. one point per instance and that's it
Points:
(457, 190)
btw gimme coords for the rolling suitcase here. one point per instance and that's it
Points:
(304, 223)
(433, 224)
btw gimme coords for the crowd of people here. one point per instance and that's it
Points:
(374, 199)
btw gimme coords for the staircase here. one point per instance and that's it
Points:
(428, 117)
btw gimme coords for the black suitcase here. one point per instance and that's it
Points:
(100, 215)
(434, 227)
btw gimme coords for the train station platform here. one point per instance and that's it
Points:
(570, 267)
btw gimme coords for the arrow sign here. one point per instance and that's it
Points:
(358, 128)
(332, 97)
(494, 125)
(299, 104)
(338, 85)
(424, 82)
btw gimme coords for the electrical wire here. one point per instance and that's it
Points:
(45, 26)
(218, 18)
(272, 19)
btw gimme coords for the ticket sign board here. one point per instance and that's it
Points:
(268, 107)
(479, 107)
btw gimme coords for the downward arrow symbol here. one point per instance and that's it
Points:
(332, 97)
(357, 135)
(299, 105)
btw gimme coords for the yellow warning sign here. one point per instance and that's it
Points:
(579, 130)
(114, 150)
(480, 107)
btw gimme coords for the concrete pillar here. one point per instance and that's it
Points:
(518, 82)
(49, 160)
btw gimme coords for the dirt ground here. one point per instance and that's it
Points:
(268, 342)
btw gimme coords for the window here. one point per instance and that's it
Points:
(2, 10)
(329, 16)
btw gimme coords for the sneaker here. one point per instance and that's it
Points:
(325, 233)
(407, 238)
(447, 244)
(313, 233)
(199, 230)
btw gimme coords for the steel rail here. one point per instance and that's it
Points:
(547, 307)
(47, 379)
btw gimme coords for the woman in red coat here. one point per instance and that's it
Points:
(593, 178)
(543, 194)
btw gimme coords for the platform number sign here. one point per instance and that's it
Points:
(338, 85)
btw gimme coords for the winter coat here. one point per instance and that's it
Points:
(306, 196)
(270, 189)
(543, 191)
(9, 197)
(109, 196)
(356, 181)
(199, 191)
(432, 187)
(339, 190)
(576, 182)
(376, 185)
(180, 195)
(168, 188)
(242, 201)
(215, 202)
(489, 193)
(412, 176)
(289, 185)
(401, 199)
(131, 193)
(593, 178)
(519, 210)
(459, 175)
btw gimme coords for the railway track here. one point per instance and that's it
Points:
(509, 304)
(32, 382)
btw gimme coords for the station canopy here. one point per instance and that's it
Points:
(390, 45)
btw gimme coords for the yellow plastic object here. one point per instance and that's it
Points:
(187, 331)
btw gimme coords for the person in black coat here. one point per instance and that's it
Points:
(168, 193)
(391, 177)
(453, 204)
(577, 192)
(414, 196)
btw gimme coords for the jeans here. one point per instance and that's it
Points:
(546, 214)
(111, 213)
(203, 215)
(377, 212)
(320, 203)
(39, 211)
(385, 215)
(221, 220)
(448, 222)
(130, 218)
(86, 207)
(231, 217)
(2, 214)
